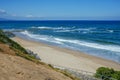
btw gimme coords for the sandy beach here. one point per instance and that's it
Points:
(65, 57)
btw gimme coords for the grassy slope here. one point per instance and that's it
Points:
(20, 51)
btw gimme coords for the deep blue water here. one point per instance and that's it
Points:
(99, 38)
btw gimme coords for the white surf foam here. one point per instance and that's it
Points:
(92, 45)
(41, 37)
(42, 27)
(73, 29)
(65, 29)
(113, 50)
(52, 39)
(111, 31)
(50, 28)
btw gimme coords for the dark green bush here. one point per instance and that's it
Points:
(116, 75)
(107, 73)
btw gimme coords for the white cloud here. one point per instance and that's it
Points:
(5, 14)
(29, 16)
(2, 12)
(14, 15)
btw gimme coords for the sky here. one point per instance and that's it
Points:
(60, 9)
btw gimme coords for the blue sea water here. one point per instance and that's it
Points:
(98, 38)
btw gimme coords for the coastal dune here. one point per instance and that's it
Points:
(65, 57)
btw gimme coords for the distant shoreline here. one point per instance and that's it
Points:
(66, 57)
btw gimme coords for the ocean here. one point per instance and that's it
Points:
(98, 38)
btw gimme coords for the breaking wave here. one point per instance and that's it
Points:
(52, 39)
(74, 29)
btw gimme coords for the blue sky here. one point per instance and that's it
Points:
(60, 9)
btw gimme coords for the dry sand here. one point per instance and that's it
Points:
(65, 57)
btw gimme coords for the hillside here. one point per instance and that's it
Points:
(17, 64)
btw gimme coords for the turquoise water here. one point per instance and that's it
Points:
(98, 38)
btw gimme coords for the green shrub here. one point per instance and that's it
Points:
(116, 75)
(107, 73)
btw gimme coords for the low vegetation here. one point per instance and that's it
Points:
(107, 74)
(20, 51)
(11, 43)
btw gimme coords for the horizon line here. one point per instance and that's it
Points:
(57, 20)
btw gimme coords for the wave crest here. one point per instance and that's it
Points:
(114, 48)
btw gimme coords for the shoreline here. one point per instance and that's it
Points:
(66, 57)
